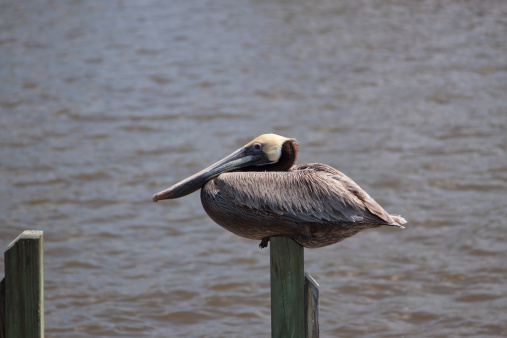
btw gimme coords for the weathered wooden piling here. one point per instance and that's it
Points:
(287, 288)
(294, 293)
(311, 307)
(22, 292)
(2, 308)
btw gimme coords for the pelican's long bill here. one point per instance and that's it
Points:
(243, 157)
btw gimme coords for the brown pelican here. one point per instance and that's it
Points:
(257, 192)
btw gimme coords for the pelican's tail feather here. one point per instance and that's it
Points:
(398, 221)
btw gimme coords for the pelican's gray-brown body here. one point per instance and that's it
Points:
(267, 195)
(313, 203)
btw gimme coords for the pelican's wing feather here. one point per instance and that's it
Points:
(306, 193)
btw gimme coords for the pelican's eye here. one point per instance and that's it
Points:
(257, 146)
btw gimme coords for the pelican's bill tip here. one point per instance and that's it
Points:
(154, 198)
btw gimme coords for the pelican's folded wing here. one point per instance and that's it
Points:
(309, 193)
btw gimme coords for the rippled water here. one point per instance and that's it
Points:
(105, 103)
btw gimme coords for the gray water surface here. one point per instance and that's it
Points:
(105, 103)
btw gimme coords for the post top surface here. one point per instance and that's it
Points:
(28, 234)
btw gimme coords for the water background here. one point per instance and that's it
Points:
(102, 104)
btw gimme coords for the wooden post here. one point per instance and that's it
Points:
(2, 308)
(24, 286)
(311, 307)
(287, 288)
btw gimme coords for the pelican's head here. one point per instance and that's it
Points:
(264, 150)
(270, 145)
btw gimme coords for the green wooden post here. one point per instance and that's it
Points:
(24, 286)
(287, 288)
